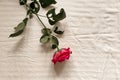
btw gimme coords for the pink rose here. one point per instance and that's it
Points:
(61, 55)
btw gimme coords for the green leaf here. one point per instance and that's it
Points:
(22, 2)
(16, 33)
(53, 17)
(35, 7)
(58, 31)
(46, 31)
(54, 42)
(60, 15)
(25, 21)
(46, 3)
(20, 28)
(44, 39)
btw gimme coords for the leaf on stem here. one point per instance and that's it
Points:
(44, 39)
(46, 31)
(46, 3)
(54, 42)
(35, 7)
(20, 28)
(58, 31)
(22, 2)
(53, 17)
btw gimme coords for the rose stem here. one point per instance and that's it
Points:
(58, 48)
(41, 15)
(40, 20)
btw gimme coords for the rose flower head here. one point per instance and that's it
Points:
(61, 55)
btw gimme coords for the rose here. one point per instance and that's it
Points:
(61, 55)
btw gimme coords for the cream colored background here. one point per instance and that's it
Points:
(92, 31)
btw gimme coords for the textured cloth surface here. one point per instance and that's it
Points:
(92, 31)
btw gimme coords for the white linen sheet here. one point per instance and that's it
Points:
(92, 31)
